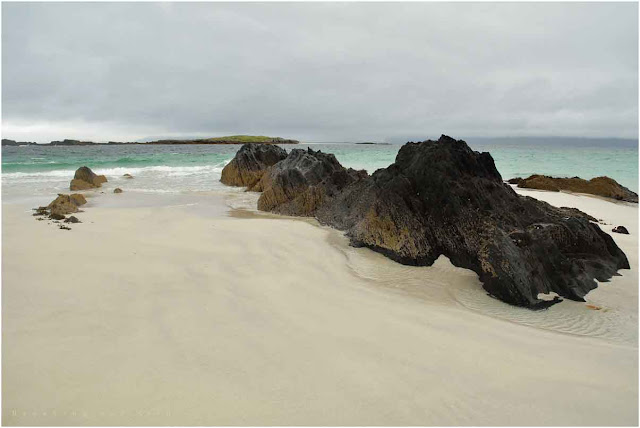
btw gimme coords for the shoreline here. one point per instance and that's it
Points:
(208, 315)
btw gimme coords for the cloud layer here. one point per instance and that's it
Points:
(318, 71)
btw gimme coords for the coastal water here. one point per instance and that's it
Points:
(45, 170)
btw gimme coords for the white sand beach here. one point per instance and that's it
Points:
(163, 315)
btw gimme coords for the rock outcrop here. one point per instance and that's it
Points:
(85, 179)
(250, 163)
(599, 186)
(442, 198)
(304, 181)
(117, 190)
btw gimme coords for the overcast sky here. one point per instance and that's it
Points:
(318, 72)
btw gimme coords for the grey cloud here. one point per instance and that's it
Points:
(319, 71)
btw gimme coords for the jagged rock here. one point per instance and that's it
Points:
(250, 163)
(620, 229)
(127, 175)
(302, 182)
(85, 179)
(117, 190)
(72, 219)
(442, 198)
(599, 186)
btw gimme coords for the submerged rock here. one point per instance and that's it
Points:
(85, 179)
(117, 190)
(599, 186)
(127, 175)
(250, 163)
(620, 229)
(442, 198)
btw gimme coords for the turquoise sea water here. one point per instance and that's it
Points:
(171, 168)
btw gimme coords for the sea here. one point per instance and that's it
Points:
(38, 172)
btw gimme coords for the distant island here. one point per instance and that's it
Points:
(377, 144)
(232, 139)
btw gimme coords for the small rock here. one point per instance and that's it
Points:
(72, 219)
(128, 176)
(56, 216)
(117, 190)
(620, 229)
(63, 227)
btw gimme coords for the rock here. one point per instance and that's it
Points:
(250, 163)
(599, 186)
(56, 216)
(66, 204)
(117, 190)
(442, 198)
(72, 219)
(302, 182)
(85, 179)
(78, 199)
(516, 180)
(63, 227)
(127, 176)
(620, 229)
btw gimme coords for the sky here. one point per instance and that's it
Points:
(318, 71)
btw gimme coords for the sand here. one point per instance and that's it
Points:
(165, 315)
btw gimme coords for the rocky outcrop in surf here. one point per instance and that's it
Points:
(85, 179)
(599, 186)
(250, 163)
(442, 198)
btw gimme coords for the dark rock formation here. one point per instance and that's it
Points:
(251, 161)
(127, 176)
(599, 186)
(85, 179)
(301, 183)
(620, 229)
(72, 219)
(442, 198)
(117, 190)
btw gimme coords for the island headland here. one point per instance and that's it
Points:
(439, 198)
(232, 139)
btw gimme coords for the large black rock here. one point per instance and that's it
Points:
(442, 198)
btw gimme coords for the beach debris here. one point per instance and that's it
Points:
(72, 219)
(127, 175)
(117, 190)
(599, 186)
(594, 307)
(442, 198)
(250, 163)
(85, 179)
(620, 229)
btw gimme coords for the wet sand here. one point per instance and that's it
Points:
(191, 315)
